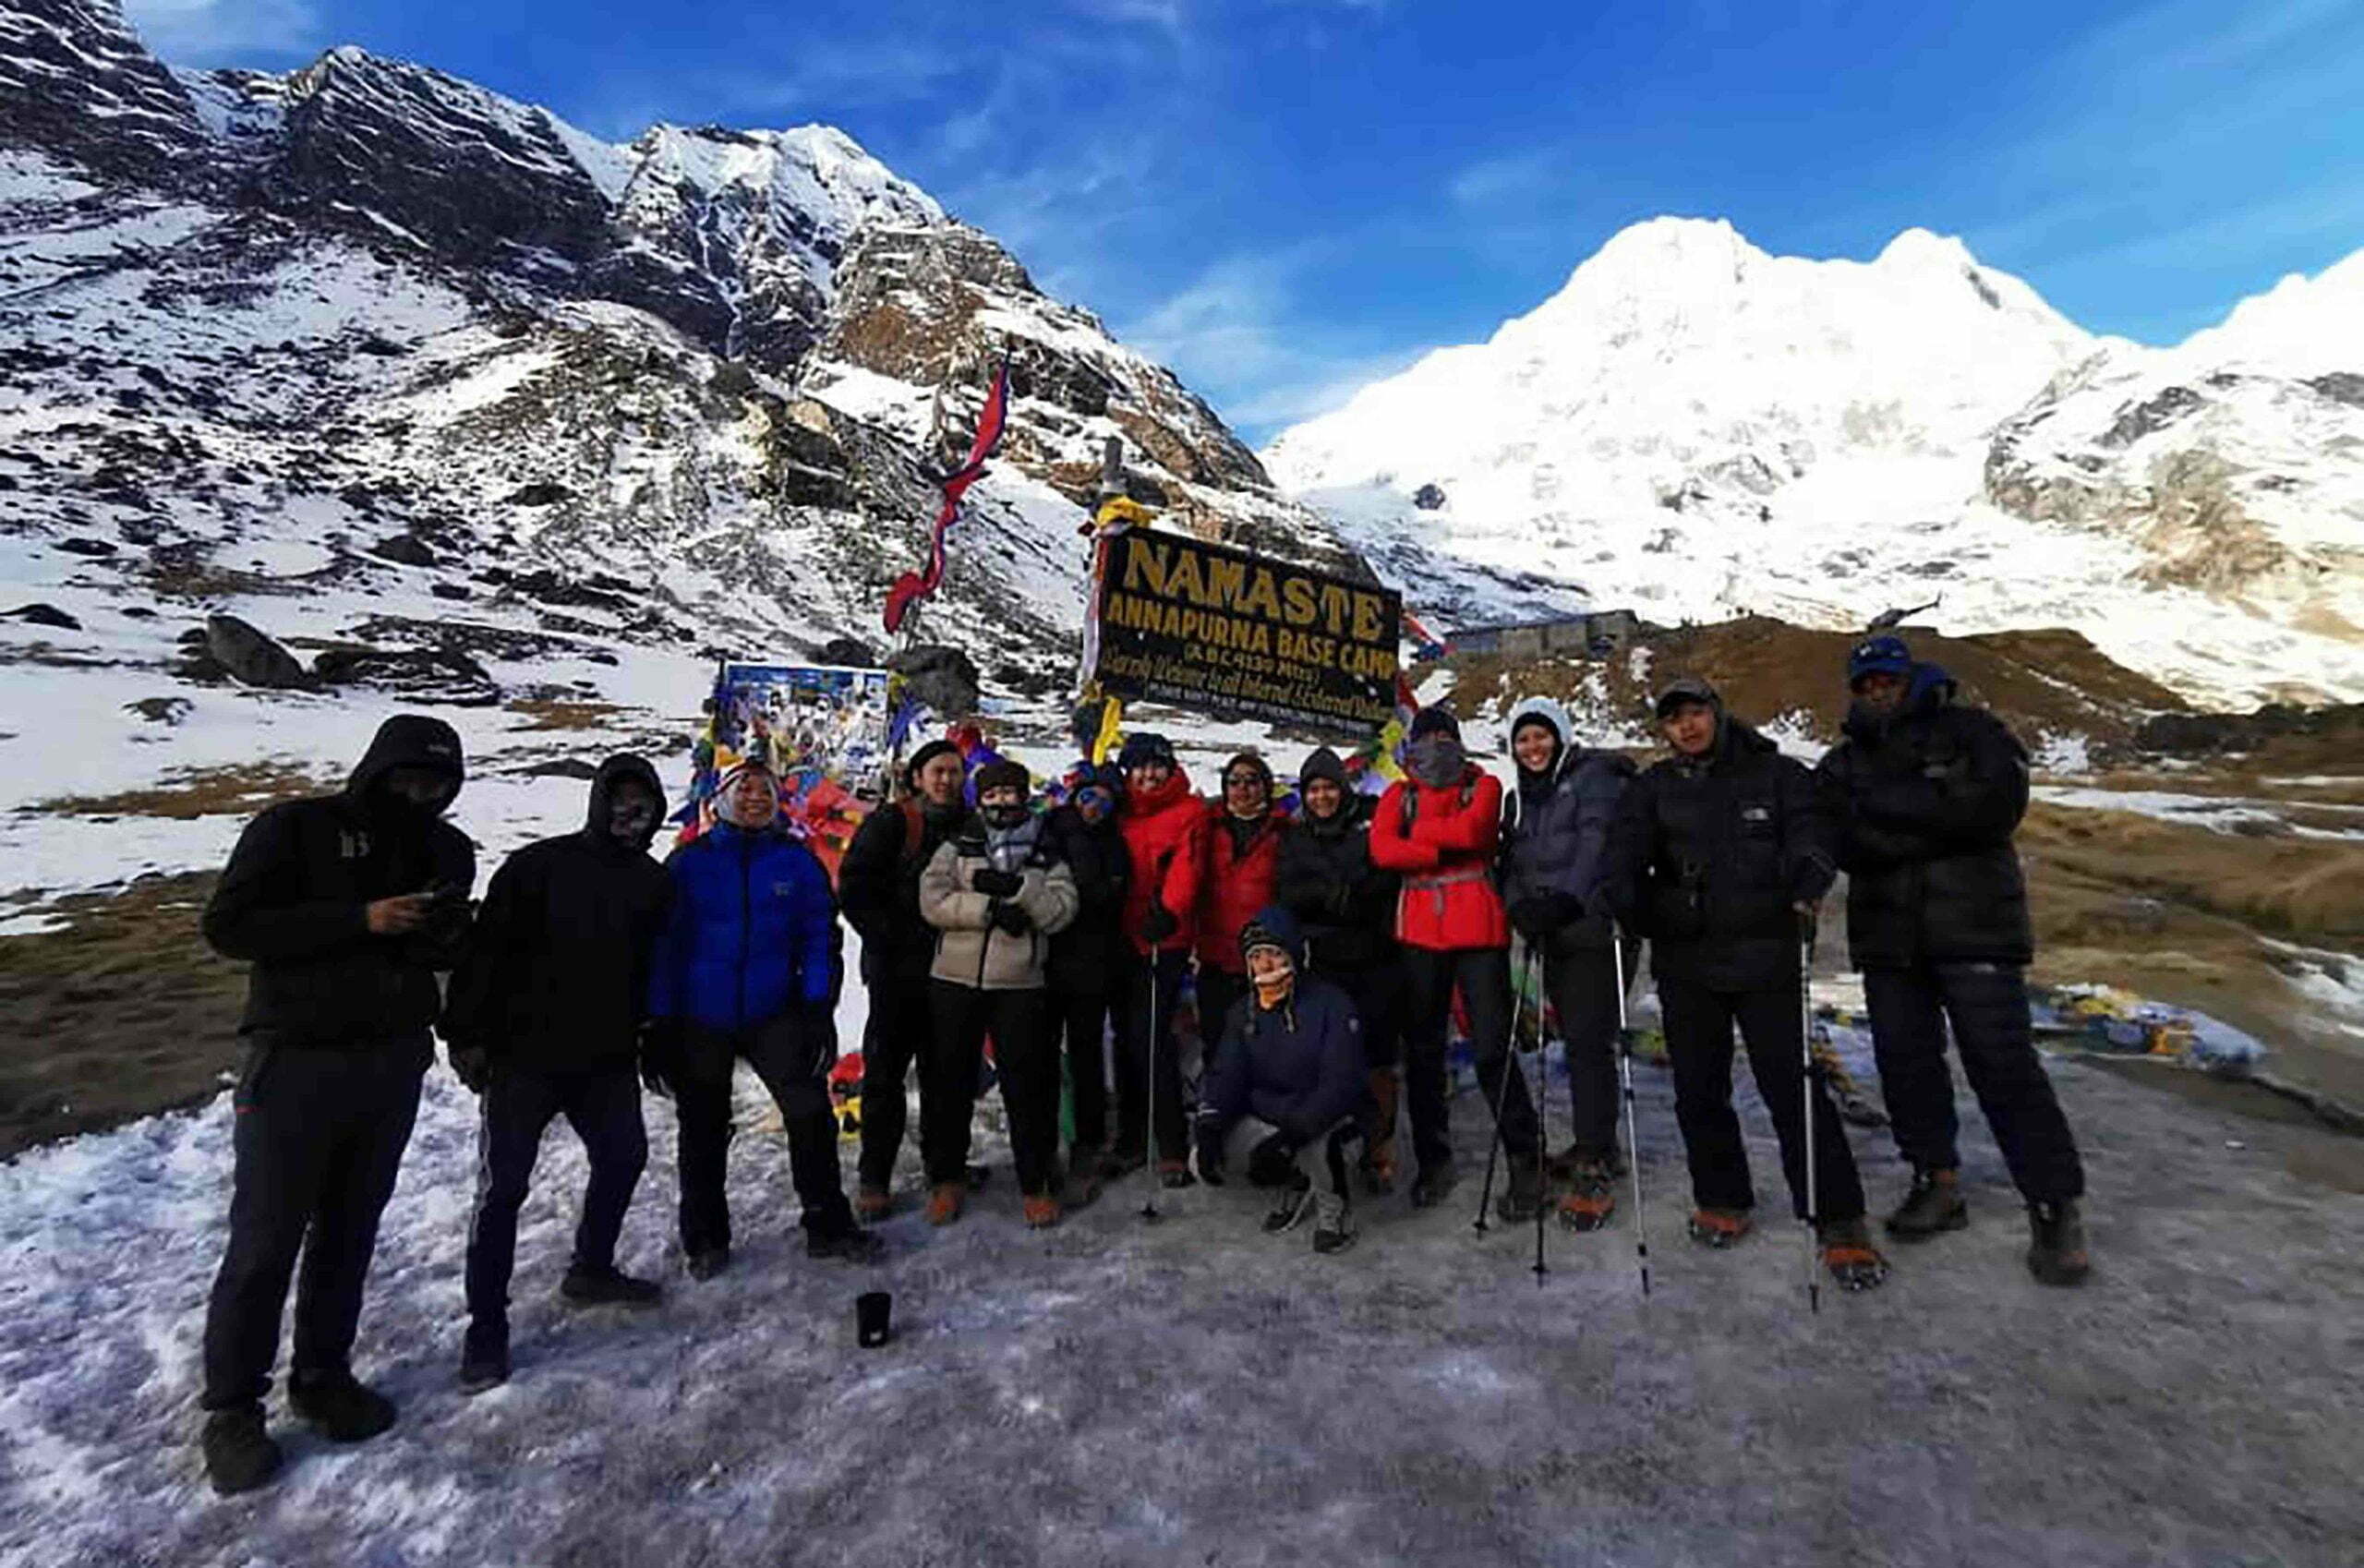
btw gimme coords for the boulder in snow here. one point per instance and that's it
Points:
(943, 678)
(250, 657)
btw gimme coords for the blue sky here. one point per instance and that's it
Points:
(1285, 199)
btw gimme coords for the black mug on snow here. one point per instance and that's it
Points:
(872, 1312)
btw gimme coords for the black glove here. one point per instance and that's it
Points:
(1159, 925)
(996, 884)
(660, 1055)
(1211, 1141)
(472, 1065)
(1274, 1163)
(821, 1034)
(1013, 918)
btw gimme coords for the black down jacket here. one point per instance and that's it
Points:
(1084, 955)
(294, 897)
(1927, 801)
(1708, 858)
(879, 886)
(1555, 836)
(555, 975)
(1345, 905)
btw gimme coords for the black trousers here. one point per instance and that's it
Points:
(1987, 1005)
(895, 1037)
(1377, 997)
(1219, 991)
(318, 1138)
(603, 1106)
(1142, 1061)
(1582, 982)
(1483, 977)
(1080, 1018)
(794, 1058)
(1699, 1024)
(1026, 1062)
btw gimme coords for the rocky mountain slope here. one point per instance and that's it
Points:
(1695, 428)
(366, 332)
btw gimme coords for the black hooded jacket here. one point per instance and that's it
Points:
(1708, 858)
(878, 886)
(293, 900)
(555, 975)
(1083, 957)
(1345, 904)
(1927, 801)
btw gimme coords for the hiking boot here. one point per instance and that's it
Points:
(708, 1262)
(239, 1454)
(1429, 1188)
(484, 1357)
(1592, 1197)
(1849, 1255)
(1720, 1228)
(610, 1287)
(2056, 1243)
(1121, 1162)
(945, 1201)
(1294, 1203)
(1524, 1193)
(1175, 1174)
(855, 1246)
(343, 1408)
(1081, 1186)
(872, 1203)
(1932, 1204)
(1379, 1165)
(1041, 1211)
(1334, 1224)
(1379, 1168)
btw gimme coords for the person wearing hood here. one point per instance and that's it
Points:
(1346, 907)
(346, 905)
(1439, 828)
(997, 892)
(1165, 829)
(1243, 855)
(1288, 1084)
(748, 968)
(1718, 855)
(1929, 791)
(543, 1020)
(1084, 960)
(1555, 840)
(879, 882)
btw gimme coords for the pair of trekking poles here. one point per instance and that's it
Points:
(1536, 977)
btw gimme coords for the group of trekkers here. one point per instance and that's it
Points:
(1332, 948)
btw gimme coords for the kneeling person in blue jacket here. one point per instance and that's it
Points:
(1288, 1085)
(748, 969)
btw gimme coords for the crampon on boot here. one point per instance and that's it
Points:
(1850, 1257)
(1591, 1197)
(1720, 1228)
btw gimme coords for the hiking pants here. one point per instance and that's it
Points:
(1699, 1046)
(1143, 1063)
(319, 1136)
(1219, 991)
(1080, 1020)
(603, 1106)
(1026, 1060)
(1248, 1134)
(897, 1034)
(1582, 982)
(792, 1055)
(1987, 1005)
(1483, 977)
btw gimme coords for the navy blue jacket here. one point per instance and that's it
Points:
(753, 933)
(1299, 1067)
(1555, 838)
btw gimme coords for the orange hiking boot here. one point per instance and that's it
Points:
(1041, 1211)
(1591, 1198)
(1848, 1253)
(872, 1203)
(1720, 1228)
(945, 1201)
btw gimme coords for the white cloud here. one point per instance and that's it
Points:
(211, 33)
(1515, 177)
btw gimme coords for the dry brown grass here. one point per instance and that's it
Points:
(240, 789)
(570, 714)
(2311, 890)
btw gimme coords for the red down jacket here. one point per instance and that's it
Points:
(1443, 842)
(1238, 883)
(1165, 836)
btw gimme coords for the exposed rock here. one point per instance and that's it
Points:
(404, 550)
(1429, 498)
(81, 546)
(251, 658)
(450, 590)
(542, 492)
(75, 82)
(943, 678)
(849, 651)
(427, 675)
(160, 710)
(45, 615)
(2210, 734)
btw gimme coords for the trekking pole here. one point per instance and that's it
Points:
(1149, 1125)
(1502, 1085)
(1805, 1051)
(1632, 1132)
(1541, 974)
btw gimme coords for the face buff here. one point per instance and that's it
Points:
(1436, 761)
(1273, 974)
